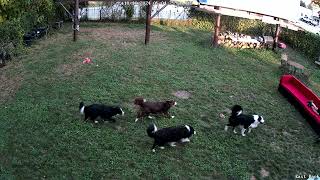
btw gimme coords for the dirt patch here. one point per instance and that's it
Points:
(9, 86)
(182, 94)
(76, 63)
(120, 37)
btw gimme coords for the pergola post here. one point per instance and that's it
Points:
(276, 37)
(148, 22)
(216, 32)
(76, 21)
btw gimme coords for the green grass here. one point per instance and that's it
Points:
(43, 136)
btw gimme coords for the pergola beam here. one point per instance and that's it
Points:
(156, 13)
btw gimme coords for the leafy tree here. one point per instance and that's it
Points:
(38, 11)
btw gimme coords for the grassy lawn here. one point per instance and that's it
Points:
(43, 136)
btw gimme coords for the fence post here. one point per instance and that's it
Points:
(100, 13)
(76, 21)
(87, 14)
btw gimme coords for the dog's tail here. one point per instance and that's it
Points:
(236, 110)
(81, 108)
(151, 130)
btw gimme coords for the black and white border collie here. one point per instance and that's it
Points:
(99, 110)
(170, 135)
(246, 122)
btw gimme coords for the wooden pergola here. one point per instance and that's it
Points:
(218, 10)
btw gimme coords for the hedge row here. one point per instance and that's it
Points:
(305, 42)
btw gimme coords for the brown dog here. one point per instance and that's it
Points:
(147, 108)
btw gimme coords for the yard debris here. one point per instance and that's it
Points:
(222, 116)
(87, 61)
(264, 173)
(282, 45)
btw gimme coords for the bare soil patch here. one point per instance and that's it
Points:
(182, 94)
(76, 63)
(120, 37)
(9, 85)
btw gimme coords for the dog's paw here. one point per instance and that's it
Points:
(150, 117)
(185, 140)
(243, 135)
(153, 150)
(226, 128)
(161, 147)
(172, 117)
(136, 120)
(234, 131)
(172, 144)
(96, 122)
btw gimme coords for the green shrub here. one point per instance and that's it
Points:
(306, 42)
(18, 17)
(11, 33)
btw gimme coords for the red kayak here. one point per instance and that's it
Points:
(301, 96)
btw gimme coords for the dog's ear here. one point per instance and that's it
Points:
(153, 127)
(81, 105)
(138, 101)
(260, 119)
(171, 102)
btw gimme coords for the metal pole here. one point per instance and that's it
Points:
(276, 37)
(216, 32)
(100, 14)
(87, 13)
(148, 22)
(76, 21)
